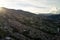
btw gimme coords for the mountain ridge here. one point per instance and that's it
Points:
(22, 25)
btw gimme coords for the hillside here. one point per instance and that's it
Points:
(22, 25)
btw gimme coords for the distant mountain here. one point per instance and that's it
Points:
(22, 25)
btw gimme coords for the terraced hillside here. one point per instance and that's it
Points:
(22, 25)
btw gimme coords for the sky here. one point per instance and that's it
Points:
(34, 6)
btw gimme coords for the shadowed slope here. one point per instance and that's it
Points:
(22, 25)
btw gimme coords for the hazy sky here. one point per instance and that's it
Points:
(35, 6)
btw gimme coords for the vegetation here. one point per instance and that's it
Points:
(21, 25)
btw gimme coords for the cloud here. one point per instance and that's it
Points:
(35, 6)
